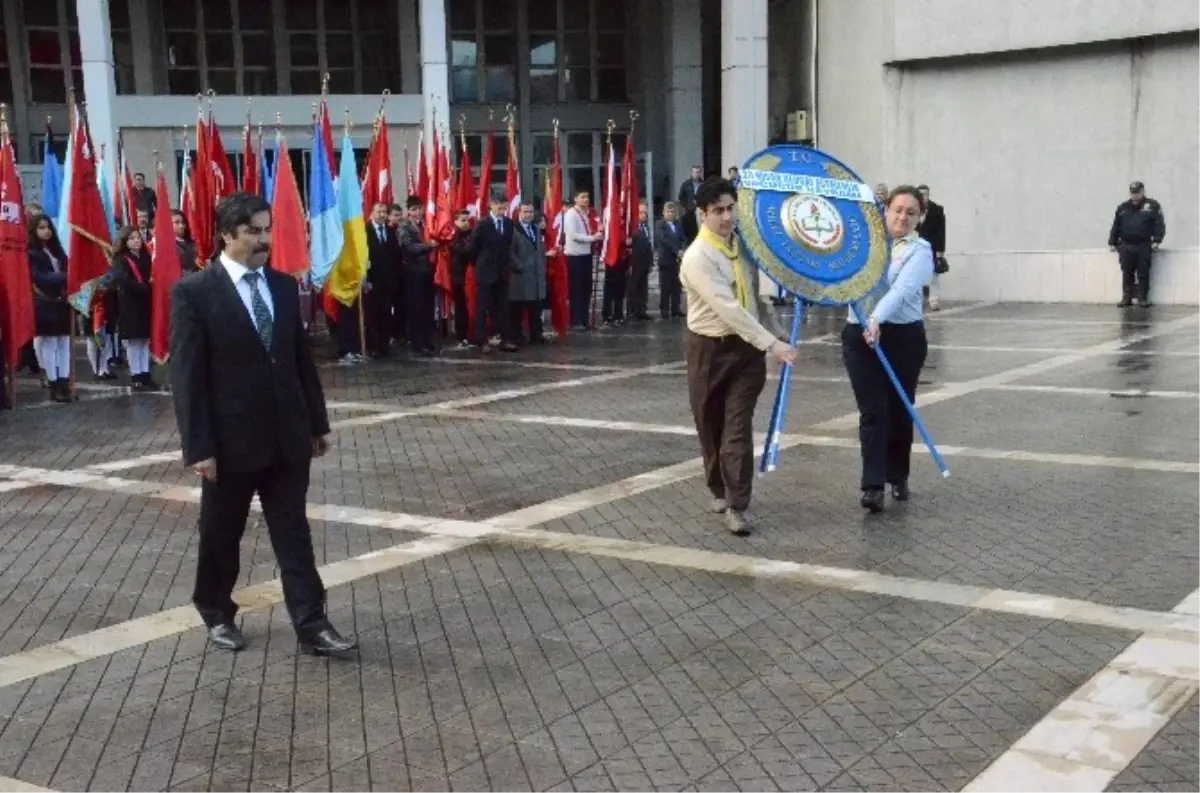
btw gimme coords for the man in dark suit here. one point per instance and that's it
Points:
(415, 249)
(933, 231)
(687, 204)
(641, 252)
(251, 417)
(669, 242)
(383, 274)
(491, 247)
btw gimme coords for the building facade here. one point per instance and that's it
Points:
(139, 65)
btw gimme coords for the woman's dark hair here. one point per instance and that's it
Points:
(413, 202)
(908, 190)
(121, 244)
(35, 242)
(710, 191)
(187, 230)
(238, 209)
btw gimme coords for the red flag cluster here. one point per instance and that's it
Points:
(16, 290)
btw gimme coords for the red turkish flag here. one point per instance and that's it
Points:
(289, 248)
(90, 246)
(16, 289)
(165, 271)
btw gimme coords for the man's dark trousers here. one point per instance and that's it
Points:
(1135, 270)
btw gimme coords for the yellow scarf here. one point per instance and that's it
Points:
(730, 252)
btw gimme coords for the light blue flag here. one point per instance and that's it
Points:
(52, 179)
(106, 201)
(62, 217)
(324, 225)
(265, 182)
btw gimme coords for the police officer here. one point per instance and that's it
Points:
(1137, 230)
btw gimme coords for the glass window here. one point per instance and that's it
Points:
(337, 15)
(306, 81)
(610, 49)
(499, 15)
(374, 81)
(339, 50)
(576, 179)
(259, 81)
(6, 84)
(123, 61)
(218, 48)
(543, 50)
(118, 14)
(464, 51)
(47, 85)
(500, 50)
(45, 48)
(610, 15)
(464, 84)
(543, 14)
(178, 14)
(542, 149)
(578, 148)
(341, 81)
(73, 52)
(576, 50)
(500, 84)
(543, 85)
(576, 14)
(254, 14)
(218, 14)
(579, 84)
(304, 49)
(610, 85)
(375, 16)
(223, 81)
(181, 50)
(302, 14)
(41, 13)
(462, 15)
(258, 49)
(183, 82)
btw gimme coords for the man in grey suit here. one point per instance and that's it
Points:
(527, 286)
(669, 242)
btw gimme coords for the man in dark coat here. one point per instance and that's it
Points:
(383, 273)
(527, 286)
(251, 416)
(491, 247)
(1137, 230)
(641, 252)
(415, 250)
(669, 240)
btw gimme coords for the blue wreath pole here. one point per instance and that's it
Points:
(770, 455)
(908, 405)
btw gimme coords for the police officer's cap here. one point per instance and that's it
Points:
(1136, 187)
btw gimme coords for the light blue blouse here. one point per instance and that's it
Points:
(911, 268)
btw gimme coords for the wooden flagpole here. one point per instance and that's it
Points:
(71, 113)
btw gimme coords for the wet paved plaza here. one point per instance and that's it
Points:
(521, 546)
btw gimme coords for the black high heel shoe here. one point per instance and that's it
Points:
(872, 501)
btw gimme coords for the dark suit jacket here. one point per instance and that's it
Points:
(668, 244)
(641, 250)
(933, 229)
(687, 196)
(492, 250)
(383, 258)
(234, 399)
(414, 251)
(51, 313)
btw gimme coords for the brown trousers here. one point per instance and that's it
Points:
(725, 377)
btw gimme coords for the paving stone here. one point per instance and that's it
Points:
(1170, 760)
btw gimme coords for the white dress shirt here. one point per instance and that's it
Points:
(237, 274)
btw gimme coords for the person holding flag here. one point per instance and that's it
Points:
(131, 268)
(52, 312)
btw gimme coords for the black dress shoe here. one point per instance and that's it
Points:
(872, 501)
(900, 492)
(326, 641)
(226, 636)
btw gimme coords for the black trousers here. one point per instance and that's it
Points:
(399, 314)
(638, 289)
(579, 289)
(518, 311)
(224, 508)
(418, 292)
(615, 280)
(492, 299)
(462, 317)
(885, 430)
(1135, 270)
(348, 337)
(378, 304)
(725, 377)
(670, 292)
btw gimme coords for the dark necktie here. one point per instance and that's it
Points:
(258, 307)
(645, 230)
(529, 233)
(380, 234)
(500, 225)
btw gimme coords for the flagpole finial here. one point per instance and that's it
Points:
(325, 84)
(610, 126)
(348, 125)
(383, 97)
(633, 117)
(278, 121)
(556, 127)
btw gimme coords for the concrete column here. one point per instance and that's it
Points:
(684, 78)
(410, 43)
(143, 39)
(99, 80)
(21, 122)
(435, 71)
(744, 80)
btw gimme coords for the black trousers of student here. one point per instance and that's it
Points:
(399, 317)
(1135, 270)
(462, 317)
(637, 291)
(224, 507)
(419, 308)
(348, 337)
(579, 289)
(518, 311)
(378, 304)
(670, 292)
(725, 377)
(492, 299)
(885, 430)
(615, 281)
